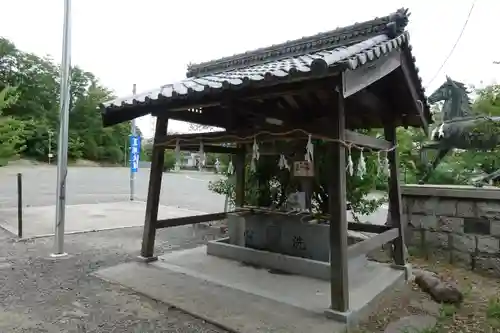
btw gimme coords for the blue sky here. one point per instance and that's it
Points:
(150, 42)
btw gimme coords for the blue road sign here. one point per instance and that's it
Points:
(135, 149)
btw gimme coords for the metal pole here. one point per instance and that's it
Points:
(132, 174)
(62, 156)
(19, 205)
(50, 145)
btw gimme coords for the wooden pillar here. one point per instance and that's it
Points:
(239, 167)
(153, 200)
(395, 206)
(339, 284)
(236, 222)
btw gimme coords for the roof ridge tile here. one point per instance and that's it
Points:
(393, 24)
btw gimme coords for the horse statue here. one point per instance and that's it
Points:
(460, 128)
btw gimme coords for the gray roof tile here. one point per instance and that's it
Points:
(337, 50)
(350, 57)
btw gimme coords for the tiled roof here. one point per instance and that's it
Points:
(340, 49)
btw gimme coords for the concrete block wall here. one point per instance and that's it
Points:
(284, 234)
(457, 223)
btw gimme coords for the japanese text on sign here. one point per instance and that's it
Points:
(135, 149)
(303, 169)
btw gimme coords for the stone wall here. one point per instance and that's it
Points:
(459, 224)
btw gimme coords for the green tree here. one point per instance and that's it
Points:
(35, 113)
(11, 130)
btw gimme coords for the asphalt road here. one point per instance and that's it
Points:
(87, 185)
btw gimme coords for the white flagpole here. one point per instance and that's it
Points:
(62, 156)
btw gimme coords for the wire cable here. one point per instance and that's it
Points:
(454, 45)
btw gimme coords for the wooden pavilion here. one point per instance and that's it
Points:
(330, 84)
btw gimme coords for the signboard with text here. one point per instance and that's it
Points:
(303, 169)
(135, 150)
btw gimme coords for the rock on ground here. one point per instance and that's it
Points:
(440, 291)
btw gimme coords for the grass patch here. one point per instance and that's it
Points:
(493, 313)
(493, 310)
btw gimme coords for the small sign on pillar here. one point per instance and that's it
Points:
(303, 169)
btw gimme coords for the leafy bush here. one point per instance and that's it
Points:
(270, 186)
(168, 160)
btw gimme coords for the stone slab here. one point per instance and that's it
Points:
(246, 298)
(39, 221)
(308, 293)
(282, 262)
(230, 308)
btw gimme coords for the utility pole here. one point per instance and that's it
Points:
(133, 133)
(62, 156)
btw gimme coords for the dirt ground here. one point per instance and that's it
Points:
(480, 311)
(39, 294)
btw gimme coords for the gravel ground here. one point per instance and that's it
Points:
(477, 314)
(39, 294)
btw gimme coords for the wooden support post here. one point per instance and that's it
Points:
(153, 200)
(395, 207)
(339, 288)
(239, 167)
(236, 222)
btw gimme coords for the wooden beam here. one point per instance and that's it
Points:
(372, 243)
(363, 76)
(230, 136)
(339, 283)
(371, 101)
(367, 141)
(266, 91)
(395, 206)
(215, 116)
(272, 134)
(367, 227)
(179, 221)
(413, 91)
(239, 168)
(154, 189)
(206, 148)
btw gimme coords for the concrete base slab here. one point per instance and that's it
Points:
(406, 268)
(281, 262)
(39, 221)
(244, 298)
(146, 260)
(58, 255)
